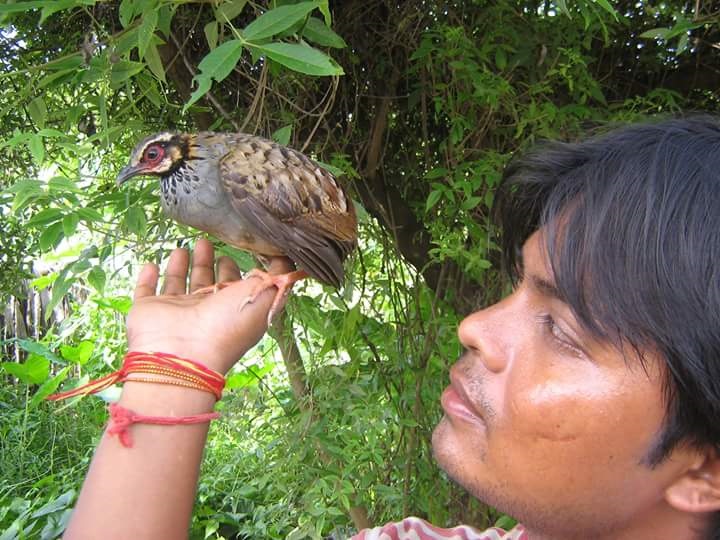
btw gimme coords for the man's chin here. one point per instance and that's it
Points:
(446, 450)
(463, 466)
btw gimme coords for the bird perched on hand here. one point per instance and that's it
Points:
(256, 195)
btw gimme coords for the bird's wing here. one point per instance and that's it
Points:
(293, 202)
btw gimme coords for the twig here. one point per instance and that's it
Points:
(330, 100)
(208, 96)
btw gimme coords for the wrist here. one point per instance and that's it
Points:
(204, 354)
(165, 400)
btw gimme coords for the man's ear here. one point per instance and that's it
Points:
(698, 489)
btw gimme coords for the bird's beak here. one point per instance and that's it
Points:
(126, 173)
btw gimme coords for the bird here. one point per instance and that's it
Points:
(254, 194)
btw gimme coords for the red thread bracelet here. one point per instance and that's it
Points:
(121, 419)
(167, 364)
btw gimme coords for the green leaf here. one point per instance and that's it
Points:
(55, 505)
(19, 7)
(211, 34)
(59, 290)
(48, 387)
(135, 220)
(147, 30)
(229, 10)
(35, 347)
(43, 282)
(216, 66)
(51, 237)
(316, 31)
(34, 370)
(154, 62)
(608, 7)
(62, 185)
(165, 16)
(276, 20)
(37, 148)
(562, 6)
(58, 5)
(38, 368)
(38, 111)
(655, 33)
(500, 58)
(282, 135)
(204, 85)
(96, 278)
(126, 12)
(301, 57)
(683, 43)
(127, 41)
(438, 172)
(433, 199)
(123, 70)
(78, 354)
(69, 224)
(471, 203)
(25, 191)
(325, 10)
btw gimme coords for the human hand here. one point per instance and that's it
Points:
(214, 329)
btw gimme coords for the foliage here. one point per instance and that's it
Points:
(418, 104)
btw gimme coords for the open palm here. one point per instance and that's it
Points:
(215, 329)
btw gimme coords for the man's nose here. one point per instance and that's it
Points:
(487, 335)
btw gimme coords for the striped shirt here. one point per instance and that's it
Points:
(413, 528)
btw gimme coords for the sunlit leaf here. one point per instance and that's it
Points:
(38, 111)
(96, 278)
(282, 135)
(51, 236)
(79, 353)
(37, 148)
(48, 387)
(69, 224)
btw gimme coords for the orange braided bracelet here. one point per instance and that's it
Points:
(193, 373)
(171, 382)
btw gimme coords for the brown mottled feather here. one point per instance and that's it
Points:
(293, 203)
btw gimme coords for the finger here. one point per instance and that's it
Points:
(147, 281)
(176, 272)
(280, 265)
(227, 270)
(202, 274)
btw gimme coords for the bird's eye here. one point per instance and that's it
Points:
(154, 153)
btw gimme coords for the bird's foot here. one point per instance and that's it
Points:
(283, 282)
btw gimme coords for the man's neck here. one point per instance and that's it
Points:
(664, 522)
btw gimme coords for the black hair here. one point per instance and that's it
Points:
(632, 232)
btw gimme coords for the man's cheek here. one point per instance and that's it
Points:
(552, 412)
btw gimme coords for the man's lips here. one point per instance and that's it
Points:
(455, 402)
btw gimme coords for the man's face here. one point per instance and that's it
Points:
(547, 424)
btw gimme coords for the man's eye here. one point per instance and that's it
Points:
(557, 335)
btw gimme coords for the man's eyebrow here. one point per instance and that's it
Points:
(546, 288)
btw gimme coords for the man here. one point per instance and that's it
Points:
(587, 403)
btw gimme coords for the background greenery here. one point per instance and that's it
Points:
(418, 104)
